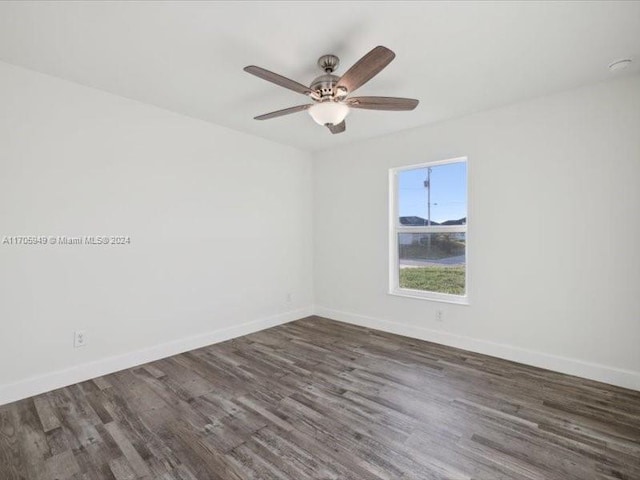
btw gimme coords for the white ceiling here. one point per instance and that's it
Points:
(456, 57)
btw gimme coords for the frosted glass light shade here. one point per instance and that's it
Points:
(329, 112)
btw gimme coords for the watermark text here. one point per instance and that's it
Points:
(65, 240)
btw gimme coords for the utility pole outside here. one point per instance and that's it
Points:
(427, 185)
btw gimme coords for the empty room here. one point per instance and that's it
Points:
(319, 240)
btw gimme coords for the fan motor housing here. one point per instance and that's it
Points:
(324, 84)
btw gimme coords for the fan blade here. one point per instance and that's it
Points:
(339, 128)
(282, 112)
(277, 79)
(366, 68)
(383, 103)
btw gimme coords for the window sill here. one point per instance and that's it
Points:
(434, 297)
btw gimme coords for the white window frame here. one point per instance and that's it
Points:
(395, 228)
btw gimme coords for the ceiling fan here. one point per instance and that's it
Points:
(330, 93)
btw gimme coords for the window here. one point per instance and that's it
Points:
(428, 231)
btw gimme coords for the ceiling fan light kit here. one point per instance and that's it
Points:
(330, 93)
(329, 112)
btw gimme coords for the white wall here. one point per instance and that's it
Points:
(553, 233)
(220, 227)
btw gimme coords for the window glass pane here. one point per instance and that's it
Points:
(433, 262)
(433, 195)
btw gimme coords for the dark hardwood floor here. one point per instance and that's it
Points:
(317, 399)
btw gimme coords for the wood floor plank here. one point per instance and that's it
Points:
(62, 466)
(317, 399)
(33, 441)
(11, 456)
(121, 469)
(46, 413)
(138, 465)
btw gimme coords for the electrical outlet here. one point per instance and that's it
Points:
(79, 338)
(289, 298)
(439, 315)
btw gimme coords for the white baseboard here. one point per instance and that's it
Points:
(592, 371)
(80, 373)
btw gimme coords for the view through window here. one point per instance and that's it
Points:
(429, 234)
